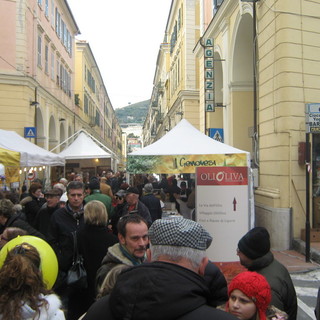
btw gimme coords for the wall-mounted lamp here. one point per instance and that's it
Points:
(34, 103)
(180, 113)
(62, 119)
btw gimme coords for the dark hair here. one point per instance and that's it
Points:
(129, 218)
(21, 281)
(34, 187)
(183, 184)
(12, 196)
(6, 208)
(24, 188)
(13, 232)
(75, 185)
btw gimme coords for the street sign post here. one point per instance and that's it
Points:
(313, 118)
(30, 132)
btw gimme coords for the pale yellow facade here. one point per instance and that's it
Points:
(261, 88)
(38, 78)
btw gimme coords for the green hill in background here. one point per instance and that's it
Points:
(133, 113)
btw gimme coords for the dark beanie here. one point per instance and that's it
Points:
(94, 184)
(255, 243)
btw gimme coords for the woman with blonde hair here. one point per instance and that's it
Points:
(23, 294)
(93, 242)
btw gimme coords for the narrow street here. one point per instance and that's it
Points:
(306, 285)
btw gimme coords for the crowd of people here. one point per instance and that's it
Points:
(139, 264)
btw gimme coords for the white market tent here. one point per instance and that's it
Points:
(183, 150)
(84, 147)
(183, 139)
(31, 155)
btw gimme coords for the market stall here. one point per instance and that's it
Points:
(182, 150)
(22, 157)
(86, 155)
(224, 191)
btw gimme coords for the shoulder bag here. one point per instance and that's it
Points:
(77, 274)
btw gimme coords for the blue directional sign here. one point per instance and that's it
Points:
(30, 132)
(216, 134)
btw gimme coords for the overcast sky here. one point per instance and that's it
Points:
(124, 37)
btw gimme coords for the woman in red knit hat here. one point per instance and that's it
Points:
(250, 296)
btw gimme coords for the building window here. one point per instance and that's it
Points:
(97, 120)
(39, 50)
(52, 13)
(46, 8)
(52, 64)
(58, 24)
(46, 59)
(40, 3)
(216, 4)
(85, 104)
(58, 73)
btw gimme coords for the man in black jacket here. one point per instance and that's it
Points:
(254, 253)
(151, 202)
(63, 222)
(42, 221)
(171, 286)
(134, 205)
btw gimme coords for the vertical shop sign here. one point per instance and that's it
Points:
(209, 75)
(222, 198)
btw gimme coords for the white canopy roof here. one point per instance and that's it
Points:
(30, 154)
(185, 139)
(84, 147)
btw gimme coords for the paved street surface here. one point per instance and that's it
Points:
(306, 279)
(306, 284)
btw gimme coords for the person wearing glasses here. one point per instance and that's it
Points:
(131, 249)
(171, 285)
(255, 254)
(134, 205)
(119, 203)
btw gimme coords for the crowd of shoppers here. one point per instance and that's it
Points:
(139, 264)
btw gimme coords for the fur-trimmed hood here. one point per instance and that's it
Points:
(50, 311)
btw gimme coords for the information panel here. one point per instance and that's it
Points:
(223, 208)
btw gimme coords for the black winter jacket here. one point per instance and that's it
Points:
(62, 223)
(157, 291)
(153, 204)
(16, 222)
(282, 289)
(217, 285)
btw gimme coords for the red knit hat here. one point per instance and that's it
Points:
(256, 287)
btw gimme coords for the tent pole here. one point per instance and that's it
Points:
(64, 141)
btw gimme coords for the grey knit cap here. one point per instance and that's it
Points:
(179, 232)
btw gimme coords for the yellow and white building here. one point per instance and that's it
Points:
(266, 68)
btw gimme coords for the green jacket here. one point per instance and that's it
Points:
(106, 200)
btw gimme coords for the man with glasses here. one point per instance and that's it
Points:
(132, 246)
(134, 205)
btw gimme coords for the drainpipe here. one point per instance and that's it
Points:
(255, 103)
